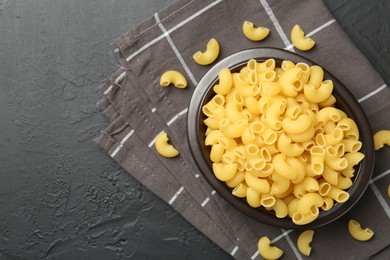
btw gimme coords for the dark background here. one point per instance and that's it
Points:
(61, 197)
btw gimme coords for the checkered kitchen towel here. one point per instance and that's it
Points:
(138, 109)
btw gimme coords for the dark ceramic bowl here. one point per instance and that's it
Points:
(345, 101)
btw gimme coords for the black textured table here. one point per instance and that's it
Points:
(61, 197)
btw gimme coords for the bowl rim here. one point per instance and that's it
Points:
(356, 112)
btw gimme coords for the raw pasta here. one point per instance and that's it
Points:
(277, 140)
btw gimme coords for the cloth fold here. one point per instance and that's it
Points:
(138, 109)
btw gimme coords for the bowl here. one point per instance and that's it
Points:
(345, 101)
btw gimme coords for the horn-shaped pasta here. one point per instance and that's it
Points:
(163, 147)
(254, 33)
(173, 77)
(225, 82)
(381, 138)
(224, 172)
(210, 55)
(299, 40)
(357, 232)
(319, 94)
(267, 251)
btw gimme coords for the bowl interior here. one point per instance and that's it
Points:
(345, 101)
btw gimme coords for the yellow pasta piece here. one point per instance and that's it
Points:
(216, 153)
(173, 77)
(251, 104)
(308, 201)
(304, 240)
(338, 194)
(319, 94)
(316, 76)
(238, 178)
(279, 185)
(299, 40)
(280, 208)
(300, 219)
(288, 80)
(329, 102)
(352, 146)
(229, 157)
(309, 184)
(267, 251)
(357, 232)
(317, 159)
(225, 82)
(287, 64)
(282, 167)
(381, 138)
(253, 197)
(224, 172)
(299, 167)
(343, 182)
(272, 116)
(328, 203)
(163, 147)
(267, 200)
(328, 113)
(333, 161)
(212, 137)
(233, 130)
(210, 55)
(298, 125)
(240, 190)
(254, 33)
(258, 184)
(268, 64)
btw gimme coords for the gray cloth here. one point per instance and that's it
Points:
(138, 109)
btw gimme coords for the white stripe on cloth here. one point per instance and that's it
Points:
(154, 140)
(176, 195)
(174, 118)
(277, 25)
(122, 142)
(320, 28)
(175, 50)
(380, 199)
(173, 29)
(314, 31)
(205, 202)
(117, 80)
(234, 250)
(376, 91)
(285, 233)
(293, 247)
(383, 174)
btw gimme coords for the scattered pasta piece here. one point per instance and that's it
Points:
(254, 33)
(173, 77)
(267, 251)
(210, 55)
(304, 241)
(163, 147)
(278, 144)
(381, 138)
(299, 40)
(388, 191)
(357, 232)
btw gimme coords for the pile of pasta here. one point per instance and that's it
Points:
(278, 140)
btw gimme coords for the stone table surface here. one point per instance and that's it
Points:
(61, 197)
